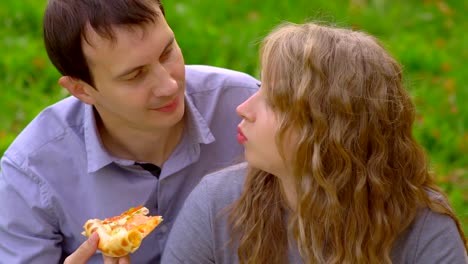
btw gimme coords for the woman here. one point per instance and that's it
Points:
(333, 173)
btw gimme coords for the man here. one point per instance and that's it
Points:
(140, 128)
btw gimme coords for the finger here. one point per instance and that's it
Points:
(121, 260)
(110, 260)
(85, 251)
(125, 260)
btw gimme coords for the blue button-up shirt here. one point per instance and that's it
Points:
(57, 174)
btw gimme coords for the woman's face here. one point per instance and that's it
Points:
(257, 133)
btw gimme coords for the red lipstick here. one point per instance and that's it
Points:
(240, 136)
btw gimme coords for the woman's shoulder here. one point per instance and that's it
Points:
(231, 177)
(431, 237)
(231, 172)
(225, 186)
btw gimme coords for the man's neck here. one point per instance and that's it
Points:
(143, 146)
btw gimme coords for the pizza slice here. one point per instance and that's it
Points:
(122, 235)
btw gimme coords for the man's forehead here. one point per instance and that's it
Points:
(95, 45)
(104, 39)
(131, 47)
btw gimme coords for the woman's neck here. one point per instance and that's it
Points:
(289, 192)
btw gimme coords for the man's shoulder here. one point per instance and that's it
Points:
(49, 126)
(215, 93)
(207, 70)
(203, 78)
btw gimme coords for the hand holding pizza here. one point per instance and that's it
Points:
(84, 253)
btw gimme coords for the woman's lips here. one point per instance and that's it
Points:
(240, 136)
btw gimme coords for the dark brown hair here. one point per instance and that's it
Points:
(65, 22)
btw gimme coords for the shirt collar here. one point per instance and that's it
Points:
(97, 156)
(196, 125)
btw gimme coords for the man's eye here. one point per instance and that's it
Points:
(135, 75)
(166, 54)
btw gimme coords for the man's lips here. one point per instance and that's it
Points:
(169, 107)
(240, 136)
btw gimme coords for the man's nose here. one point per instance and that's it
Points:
(166, 84)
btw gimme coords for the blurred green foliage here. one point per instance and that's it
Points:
(428, 37)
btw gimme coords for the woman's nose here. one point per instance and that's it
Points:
(244, 109)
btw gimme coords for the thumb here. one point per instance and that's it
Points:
(85, 251)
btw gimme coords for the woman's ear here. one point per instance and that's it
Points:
(78, 88)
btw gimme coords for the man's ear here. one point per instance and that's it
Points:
(77, 88)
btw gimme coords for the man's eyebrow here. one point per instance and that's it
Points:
(128, 71)
(169, 43)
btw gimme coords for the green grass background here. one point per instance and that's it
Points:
(428, 37)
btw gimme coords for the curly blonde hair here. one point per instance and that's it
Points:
(360, 175)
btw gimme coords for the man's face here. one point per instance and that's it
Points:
(139, 78)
